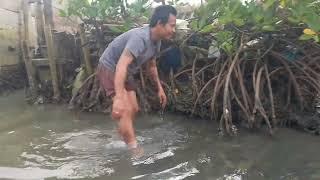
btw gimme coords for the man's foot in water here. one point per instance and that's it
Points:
(136, 150)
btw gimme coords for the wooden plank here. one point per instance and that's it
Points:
(45, 61)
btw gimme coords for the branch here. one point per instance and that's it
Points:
(14, 11)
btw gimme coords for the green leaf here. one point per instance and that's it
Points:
(202, 22)
(268, 28)
(194, 25)
(254, 28)
(283, 3)
(313, 21)
(258, 18)
(92, 12)
(62, 13)
(316, 39)
(227, 47)
(293, 20)
(305, 37)
(225, 19)
(268, 4)
(238, 22)
(207, 29)
(114, 29)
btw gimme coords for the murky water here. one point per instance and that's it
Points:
(48, 142)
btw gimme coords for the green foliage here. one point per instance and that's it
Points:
(306, 13)
(253, 17)
(95, 9)
(108, 9)
(140, 8)
(226, 41)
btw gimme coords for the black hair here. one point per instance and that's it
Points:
(161, 14)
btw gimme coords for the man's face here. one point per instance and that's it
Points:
(168, 30)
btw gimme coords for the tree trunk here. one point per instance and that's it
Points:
(85, 50)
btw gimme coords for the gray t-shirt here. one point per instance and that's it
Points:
(138, 42)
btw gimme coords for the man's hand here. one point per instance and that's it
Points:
(162, 97)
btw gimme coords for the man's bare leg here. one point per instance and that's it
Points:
(125, 123)
(126, 129)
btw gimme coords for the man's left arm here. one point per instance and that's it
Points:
(153, 71)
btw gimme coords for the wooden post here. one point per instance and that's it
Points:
(51, 56)
(48, 15)
(85, 50)
(20, 36)
(52, 61)
(39, 24)
(25, 48)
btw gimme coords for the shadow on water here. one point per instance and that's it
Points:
(46, 141)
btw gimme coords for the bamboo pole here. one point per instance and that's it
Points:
(51, 56)
(85, 50)
(25, 48)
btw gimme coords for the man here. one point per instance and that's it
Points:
(123, 58)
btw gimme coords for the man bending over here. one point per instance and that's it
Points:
(122, 59)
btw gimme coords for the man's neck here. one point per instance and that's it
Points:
(153, 34)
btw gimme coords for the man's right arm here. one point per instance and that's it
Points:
(125, 60)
